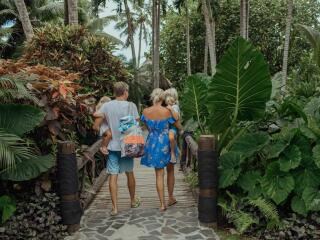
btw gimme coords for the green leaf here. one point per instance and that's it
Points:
(306, 177)
(240, 88)
(277, 184)
(194, 99)
(249, 144)
(297, 205)
(316, 155)
(311, 197)
(290, 158)
(29, 168)
(7, 207)
(19, 119)
(249, 180)
(229, 169)
(275, 149)
(313, 107)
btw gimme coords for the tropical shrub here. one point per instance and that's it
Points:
(53, 90)
(271, 162)
(77, 50)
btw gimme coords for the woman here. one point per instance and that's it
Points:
(157, 150)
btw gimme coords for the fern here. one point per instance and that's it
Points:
(242, 220)
(13, 88)
(268, 209)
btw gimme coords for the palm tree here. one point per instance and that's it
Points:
(73, 18)
(24, 19)
(179, 4)
(210, 33)
(286, 47)
(156, 42)
(314, 38)
(244, 18)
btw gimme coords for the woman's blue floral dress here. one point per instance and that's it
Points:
(157, 148)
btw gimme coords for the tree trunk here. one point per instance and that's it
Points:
(66, 13)
(247, 19)
(286, 47)
(244, 18)
(24, 19)
(156, 44)
(213, 29)
(130, 34)
(209, 35)
(205, 64)
(73, 12)
(140, 42)
(188, 38)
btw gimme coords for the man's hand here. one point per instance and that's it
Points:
(104, 150)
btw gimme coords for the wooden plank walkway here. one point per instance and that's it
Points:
(145, 189)
(179, 222)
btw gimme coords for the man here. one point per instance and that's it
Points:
(113, 111)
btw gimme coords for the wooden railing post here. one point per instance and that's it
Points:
(67, 173)
(208, 180)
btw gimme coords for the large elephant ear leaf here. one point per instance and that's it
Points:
(277, 184)
(19, 119)
(194, 99)
(229, 168)
(311, 197)
(240, 88)
(30, 168)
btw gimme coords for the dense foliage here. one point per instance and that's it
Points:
(77, 50)
(269, 161)
(266, 32)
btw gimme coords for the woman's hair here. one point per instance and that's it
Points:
(171, 96)
(102, 101)
(157, 95)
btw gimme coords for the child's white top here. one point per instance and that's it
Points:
(176, 108)
(104, 126)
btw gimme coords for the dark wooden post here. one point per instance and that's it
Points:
(67, 173)
(208, 180)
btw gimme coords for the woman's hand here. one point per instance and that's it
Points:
(170, 108)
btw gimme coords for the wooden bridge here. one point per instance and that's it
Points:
(146, 222)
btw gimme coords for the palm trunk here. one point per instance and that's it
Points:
(156, 44)
(140, 42)
(66, 13)
(24, 18)
(243, 18)
(286, 47)
(209, 35)
(188, 39)
(205, 63)
(73, 12)
(247, 19)
(213, 29)
(130, 34)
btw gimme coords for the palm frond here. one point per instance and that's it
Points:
(99, 23)
(110, 37)
(6, 12)
(12, 150)
(51, 10)
(13, 87)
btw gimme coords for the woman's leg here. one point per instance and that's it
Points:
(172, 139)
(160, 187)
(170, 183)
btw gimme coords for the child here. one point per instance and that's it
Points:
(171, 99)
(101, 125)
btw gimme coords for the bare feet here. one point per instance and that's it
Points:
(163, 209)
(114, 212)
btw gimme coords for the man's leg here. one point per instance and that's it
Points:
(131, 181)
(113, 169)
(170, 183)
(113, 187)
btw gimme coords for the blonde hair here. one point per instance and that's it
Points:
(157, 95)
(119, 88)
(102, 101)
(171, 96)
